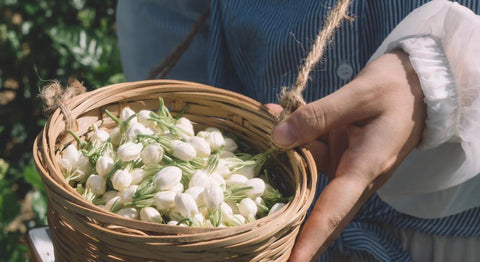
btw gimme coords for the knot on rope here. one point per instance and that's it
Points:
(54, 96)
(290, 100)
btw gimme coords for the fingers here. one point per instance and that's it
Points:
(319, 151)
(275, 109)
(334, 209)
(348, 105)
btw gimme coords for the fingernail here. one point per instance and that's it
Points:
(283, 135)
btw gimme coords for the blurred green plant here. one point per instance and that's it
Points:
(41, 40)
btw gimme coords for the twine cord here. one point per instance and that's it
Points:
(55, 96)
(291, 97)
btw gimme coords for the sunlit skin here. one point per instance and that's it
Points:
(358, 135)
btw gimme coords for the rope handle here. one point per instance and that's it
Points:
(291, 97)
(55, 96)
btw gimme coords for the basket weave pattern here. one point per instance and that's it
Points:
(83, 232)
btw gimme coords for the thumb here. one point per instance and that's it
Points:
(348, 105)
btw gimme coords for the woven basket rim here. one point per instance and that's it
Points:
(45, 152)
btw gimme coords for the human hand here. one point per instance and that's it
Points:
(370, 125)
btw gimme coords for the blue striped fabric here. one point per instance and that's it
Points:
(256, 47)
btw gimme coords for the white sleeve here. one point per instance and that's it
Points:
(442, 39)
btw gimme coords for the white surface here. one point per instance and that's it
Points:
(439, 181)
(42, 243)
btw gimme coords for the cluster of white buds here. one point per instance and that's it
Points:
(155, 168)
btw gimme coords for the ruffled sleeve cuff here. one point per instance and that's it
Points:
(438, 85)
(442, 39)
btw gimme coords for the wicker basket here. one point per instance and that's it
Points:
(83, 232)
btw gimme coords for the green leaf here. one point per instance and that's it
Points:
(86, 49)
(3, 168)
(9, 207)
(32, 177)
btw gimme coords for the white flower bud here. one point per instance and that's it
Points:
(222, 169)
(150, 214)
(115, 136)
(128, 212)
(248, 171)
(70, 155)
(269, 190)
(240, 218)
(126, 113)
(107, 196)
(186, 126)
(96, 184)
(201, 146)
(203, 134)
(234, 220)
(259, 201)
(213, 196)
(183, 151)
(110, 203)
(137, 176)
(134, 130)
(226, 209)
(198, 220)
(126, 195)
(276, 207)
(83, 167)
(129, 151)
(143, 118)
(174, 214)
(236, 180)
(199, 179)
(164, 200)
(175, 223)
(104, 165)
(215, 140)
(230, 145)
(152, 154)
(186, 205)
(247, 207)
(121, 179)
(75, 162)
(167, 178)
(178, 188)
(212, 129)
(217, 180)
(258, 187)
(100, 136)
(197, 194)
(185, 121)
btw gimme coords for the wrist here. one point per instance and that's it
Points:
(437, 82)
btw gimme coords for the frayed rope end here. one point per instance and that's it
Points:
(54, 96)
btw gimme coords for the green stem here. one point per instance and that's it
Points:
(114, 118)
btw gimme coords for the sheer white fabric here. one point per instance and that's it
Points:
(440, 179)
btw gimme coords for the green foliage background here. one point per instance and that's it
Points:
(42, 40)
